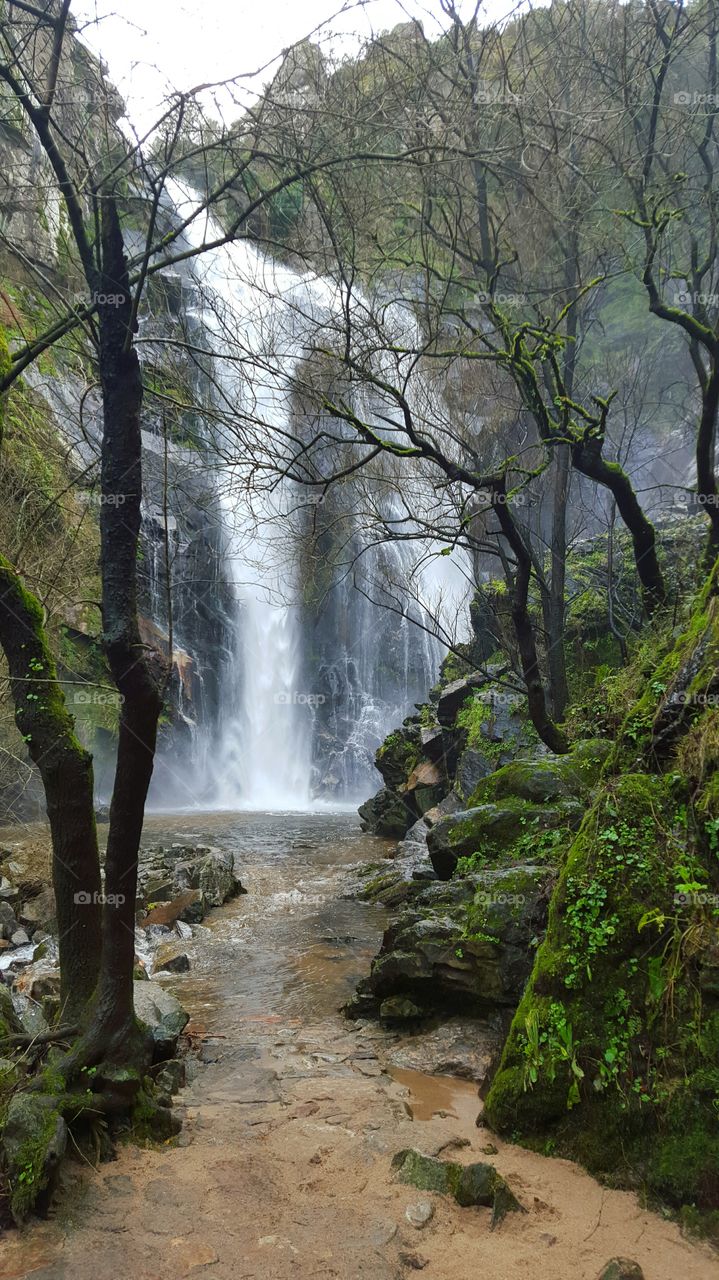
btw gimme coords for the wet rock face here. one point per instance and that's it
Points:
(386, 814)
(464, 946)
(493, 828)
(169, 874)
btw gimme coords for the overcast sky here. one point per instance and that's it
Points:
(153, 45)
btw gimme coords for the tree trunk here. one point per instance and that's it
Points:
(550, 735)
(556, 658)
(705, 451)
(44, 721)
(136, 671)
(587, 458)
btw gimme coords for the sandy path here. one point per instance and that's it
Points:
(282, 1169)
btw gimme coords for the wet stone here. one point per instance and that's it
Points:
(419, 1214)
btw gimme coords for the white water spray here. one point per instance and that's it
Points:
(263, 757)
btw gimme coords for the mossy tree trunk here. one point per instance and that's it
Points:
(548, 731)
(705, 458)
(556, 596)
(587, 458)
(66, 770)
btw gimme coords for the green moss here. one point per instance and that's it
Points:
(34, 1142)
(608, 1052)
(149, 1121)
(473, 717)
(398, 755)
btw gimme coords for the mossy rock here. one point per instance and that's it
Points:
(398, 755)
(10, 1024)
(493, 828)
(400, 1009)
(596, 1058)
(34, 1139)
(621, 1269)
(472, 1184)
(547, 779)
(151, 1120)
(465, 944)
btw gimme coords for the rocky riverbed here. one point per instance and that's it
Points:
(293, 1115)
(179, 884)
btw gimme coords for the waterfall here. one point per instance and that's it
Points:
(297, 720)
(261, 757)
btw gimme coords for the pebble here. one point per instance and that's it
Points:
(382, 1233)
(419, 1214)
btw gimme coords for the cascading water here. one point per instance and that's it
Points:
(291, 724)
(262, 759)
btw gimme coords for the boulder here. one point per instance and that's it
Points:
(536, 781)
(473, 765)
(397, 756)
(621, 1269)
(548, 779)
(167, 876)
(40, 912)
(472, 1184)
(399, 1009)
(453, 696)
(8, 891)
(163, 1014)
(8, 923)
(38, 981)
(34, 1140)
(187, 906)
(158, 888)
(450, 803)
(170, 958)
(426, 774)
(465, 945)
(492, 829)
(170, 1076)
(432, 743)
(214, 875)
(386, 814)
(10, 1024)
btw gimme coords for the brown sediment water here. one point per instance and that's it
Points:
(283, 1169)
(444, 1096)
